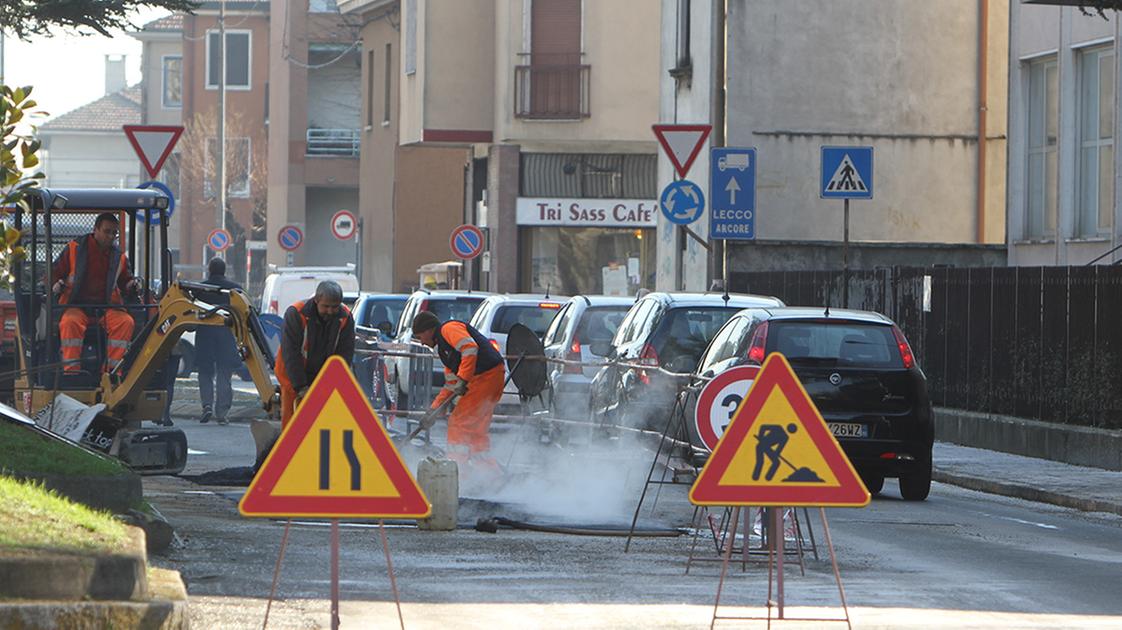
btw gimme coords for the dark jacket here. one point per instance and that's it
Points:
(324, 339)
(216, 343)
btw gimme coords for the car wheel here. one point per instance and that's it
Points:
(917, 486)
(874, 483)
(187, 360)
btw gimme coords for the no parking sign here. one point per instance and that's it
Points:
(719, 400)
(290, 238)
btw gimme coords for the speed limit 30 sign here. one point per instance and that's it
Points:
(718, 401)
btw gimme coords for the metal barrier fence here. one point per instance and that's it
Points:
(1032, 342)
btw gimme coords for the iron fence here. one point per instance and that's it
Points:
(334, 142)
(552, 89)
(1034, 342)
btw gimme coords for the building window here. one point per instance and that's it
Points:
(173, 81)
(239, 167)
(237, 60)
(1096, 142)
(409, 61)
(322, 6)
(370, 88)
(1043, 111)
(387, 82)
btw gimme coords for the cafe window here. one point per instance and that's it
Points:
(610, 261)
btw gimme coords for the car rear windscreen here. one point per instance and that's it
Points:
(536, 318)
(685, 332)
(842, 344)
(600, 323)
(376, 311)
(459, 309)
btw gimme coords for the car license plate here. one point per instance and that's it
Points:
(848, 429)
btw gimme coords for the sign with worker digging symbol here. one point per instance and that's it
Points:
(334, 460)
(778, 451)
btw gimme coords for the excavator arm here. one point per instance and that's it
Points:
(184, 308)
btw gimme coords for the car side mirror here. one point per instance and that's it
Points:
(601, 348)
(385, 327)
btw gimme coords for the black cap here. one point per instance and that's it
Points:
(424, 320)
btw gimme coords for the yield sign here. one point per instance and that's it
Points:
(153, 144)
(334, 460)
(682, 143)
(778, 451)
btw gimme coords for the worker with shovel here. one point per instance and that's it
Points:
(473, 370)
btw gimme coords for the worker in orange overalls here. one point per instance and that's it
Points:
(92, 270)
(473, 370)
(314, 330)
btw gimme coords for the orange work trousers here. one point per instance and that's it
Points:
(470, 422)
(72, 330)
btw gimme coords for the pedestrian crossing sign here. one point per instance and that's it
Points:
(847, 173)
(778, 451)
(334, 460)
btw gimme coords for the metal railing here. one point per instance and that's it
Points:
(552, 91)
(333, 142)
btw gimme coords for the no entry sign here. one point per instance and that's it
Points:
(344, 225)
(290, 238)
(718, 401)
(467, 242)
(219, 240)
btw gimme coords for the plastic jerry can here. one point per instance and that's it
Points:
(440, 481)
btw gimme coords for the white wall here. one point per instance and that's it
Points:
(99, 160)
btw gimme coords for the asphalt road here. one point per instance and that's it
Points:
(959, 560)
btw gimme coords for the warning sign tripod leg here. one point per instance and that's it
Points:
(276, 573)
(654, 462)
(725, 567)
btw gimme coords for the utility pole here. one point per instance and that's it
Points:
(221, 172)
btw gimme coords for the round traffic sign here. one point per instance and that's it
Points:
(467, 242)
(682, 202)
(152, 215)
(219, 240)
(344, 225)
(718, 401)
(290, 238)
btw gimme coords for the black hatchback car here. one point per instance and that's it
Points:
(861, 374)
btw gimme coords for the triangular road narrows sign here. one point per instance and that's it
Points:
(682, 143)
(846, 178)
(334, 460)
(153, 144)
(778, 451)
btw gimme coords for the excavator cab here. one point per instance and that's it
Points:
(134, 391)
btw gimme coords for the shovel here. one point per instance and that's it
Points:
(424, 419)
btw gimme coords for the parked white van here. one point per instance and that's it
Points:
(287, 285)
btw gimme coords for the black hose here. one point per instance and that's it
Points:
(490, 525)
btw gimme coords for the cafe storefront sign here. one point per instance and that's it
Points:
(608, 213)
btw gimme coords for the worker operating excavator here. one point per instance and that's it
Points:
(473, 370)
(93, 271)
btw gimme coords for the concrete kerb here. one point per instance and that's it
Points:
(116, 493)
(1028, 493)
(48, 575)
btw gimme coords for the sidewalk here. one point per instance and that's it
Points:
(1078, 487)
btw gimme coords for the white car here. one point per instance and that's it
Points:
(446, 305)
(499, 313)
(288, 285)
(582, 331)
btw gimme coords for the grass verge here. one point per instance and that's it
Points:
(36, 518)
(27, 452)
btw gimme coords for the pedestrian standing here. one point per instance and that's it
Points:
(216, 354)
(314, 330)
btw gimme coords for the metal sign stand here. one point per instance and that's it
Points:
(719, 532)
(677, 413)
(775, 570)
(334, 573)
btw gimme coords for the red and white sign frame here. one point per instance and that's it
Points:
(712, 415)
(344, 236)
(151, 155)
(681, 159)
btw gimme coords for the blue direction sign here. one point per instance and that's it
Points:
(290, 238)
(847, 173)
(152, 215)
(732, 193)
(682, 202)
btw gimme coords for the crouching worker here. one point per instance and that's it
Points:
(473, 370)
(314, 330)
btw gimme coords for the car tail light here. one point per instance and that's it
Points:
(273, 307)
(495, 345)
(905, 349)
(574, 355)
(647, 357)
(549, 305)
(756, 349)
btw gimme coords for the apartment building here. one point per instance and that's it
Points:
(1063, 108)
(528, 118)
(923, 83)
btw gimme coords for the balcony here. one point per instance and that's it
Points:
(333, 142)
(551, 89)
